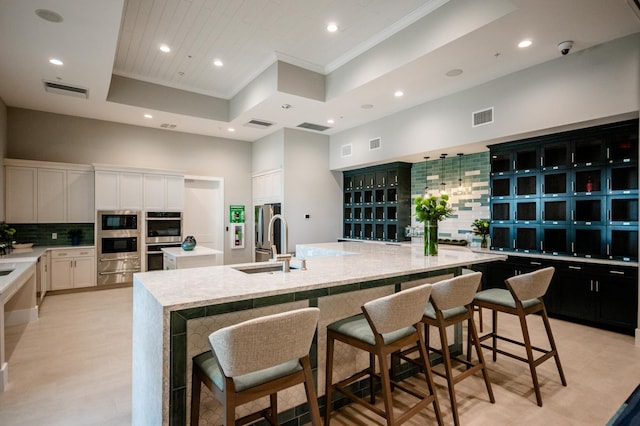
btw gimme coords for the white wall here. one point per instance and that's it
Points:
(268, 153)
(310, 188)
(35, 135)
(3, 152)
(590, 86)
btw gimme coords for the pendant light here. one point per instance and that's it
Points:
(460, 187)
(443, 184)
(426, 176)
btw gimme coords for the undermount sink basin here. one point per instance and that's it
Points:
(261, 269)
(7, 269)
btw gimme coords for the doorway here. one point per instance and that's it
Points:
(204, 210)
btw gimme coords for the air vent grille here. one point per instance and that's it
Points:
(480, 118)
(65, 89)
(312, 126)
(346, 150)
(168, 126)
(259, 124)
(375, 143)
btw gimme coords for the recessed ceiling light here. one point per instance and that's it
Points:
(218, 62)
(164, 48)
(332, 27)
(330, 121)
(148, 116)
(55, 61)
(525, 43)
(454, 72)
(231, 129)
(366, 106)
(398, 93)
(49, 15)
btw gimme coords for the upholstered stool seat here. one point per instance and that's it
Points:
(254, 359)
(522, 297)
(386, 325)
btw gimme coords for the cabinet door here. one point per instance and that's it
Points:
(61, 273)
(131, 191)
(107, 194)
(21, 194)
(154, 192)
(84, 274)
(618, 298)
(80, 196)
(51, 196)
(574, 293)
(174, 193)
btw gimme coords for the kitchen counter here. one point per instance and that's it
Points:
(177, 258)
(174, 311)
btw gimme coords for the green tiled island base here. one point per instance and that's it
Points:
(201, 322)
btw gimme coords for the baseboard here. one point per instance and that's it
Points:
(20, 316)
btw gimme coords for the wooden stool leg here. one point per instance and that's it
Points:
(310, 390)
(494, 327)
(532, 367)
(446, 360)
(328, 377)
(273, 415)
(476, 344)
(195, 397)
(372, 370)
(426, 366)
(386, 388)
(552, 342)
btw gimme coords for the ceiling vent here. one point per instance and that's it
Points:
(480, 118)
(65, 89)
(259, 124)
(312, 126)
(346, 150)
(375, 143)
(168, 126)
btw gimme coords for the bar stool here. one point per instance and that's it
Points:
(254, 359)
(386, 325)
(452, 303)
(522, 297)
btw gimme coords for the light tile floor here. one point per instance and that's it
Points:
(73, 367)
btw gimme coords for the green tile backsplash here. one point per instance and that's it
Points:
(40, 233)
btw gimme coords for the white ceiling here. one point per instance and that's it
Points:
(407, 44)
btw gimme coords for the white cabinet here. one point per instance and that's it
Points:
(267, 187)
(42, 276)
(21, 185)
(163, 192)
(43, 192)
(73, 268)
(118, 190)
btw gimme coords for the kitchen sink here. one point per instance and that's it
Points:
(6, 269)
(5, 272)
(260, 269)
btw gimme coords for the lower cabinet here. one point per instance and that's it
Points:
(73, 268)
(595, 294)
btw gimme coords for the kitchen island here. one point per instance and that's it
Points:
(175, 311)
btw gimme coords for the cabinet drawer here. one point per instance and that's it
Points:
(84, 252)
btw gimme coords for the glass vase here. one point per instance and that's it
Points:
(431, 238)
(485, 242)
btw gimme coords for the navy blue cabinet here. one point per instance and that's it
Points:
(572, 193)
(377, 202)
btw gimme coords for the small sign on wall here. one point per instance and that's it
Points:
(236, 214)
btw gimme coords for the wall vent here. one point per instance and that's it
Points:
(346, 150)
(259, 124)
(375, 143)
(168, 126)
(65, 89)
(480, 118)
(312, 126)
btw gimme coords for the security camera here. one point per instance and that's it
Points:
(565, 47)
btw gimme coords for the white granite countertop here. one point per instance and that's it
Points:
(328, 265)
(197, 251)
(8, 283)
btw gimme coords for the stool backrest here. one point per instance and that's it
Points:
(456, 291)
(264, 342)
(532, 285)
(399, 310)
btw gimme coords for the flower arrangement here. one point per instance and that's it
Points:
(6, 232)
(431, 209)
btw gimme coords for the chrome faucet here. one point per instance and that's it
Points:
(284, 256)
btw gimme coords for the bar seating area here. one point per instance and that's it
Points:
(391, 329)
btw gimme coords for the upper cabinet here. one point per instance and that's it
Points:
(43, 192)
(267, 187)
(138, 189)
(163, 192)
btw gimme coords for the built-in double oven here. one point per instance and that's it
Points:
(119, 250)
(163, 229)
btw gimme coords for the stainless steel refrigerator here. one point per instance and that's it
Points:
(263, 215)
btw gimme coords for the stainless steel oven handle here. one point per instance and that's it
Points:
(102, 259)
(125, 271)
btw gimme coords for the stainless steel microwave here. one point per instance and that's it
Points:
(118, 220)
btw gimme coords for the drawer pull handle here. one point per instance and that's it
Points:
(617, 272)
(575, 267)
(536, 263)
